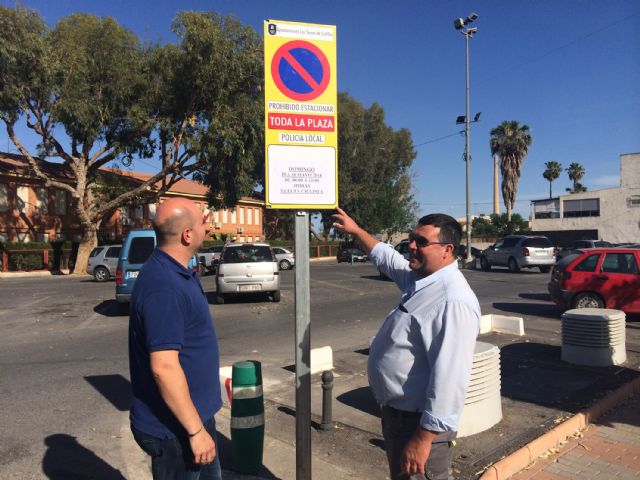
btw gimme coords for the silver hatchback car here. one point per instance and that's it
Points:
(246, 268)
(103, 262)
(520, 251)
(286, 258)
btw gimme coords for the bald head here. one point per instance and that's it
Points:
(172, 218)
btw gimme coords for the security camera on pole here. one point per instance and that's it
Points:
(463, 26)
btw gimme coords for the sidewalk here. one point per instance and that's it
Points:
(609, 448)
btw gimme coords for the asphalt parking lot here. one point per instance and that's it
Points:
(65, 361)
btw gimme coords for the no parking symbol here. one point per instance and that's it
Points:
(300, 70)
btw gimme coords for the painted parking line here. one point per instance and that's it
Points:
(337, 286)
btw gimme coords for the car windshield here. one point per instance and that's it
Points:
(354, 251)
(247, 254)
(538, 242)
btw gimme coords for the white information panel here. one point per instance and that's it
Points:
(298, 172)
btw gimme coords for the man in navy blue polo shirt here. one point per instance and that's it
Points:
(173, 353)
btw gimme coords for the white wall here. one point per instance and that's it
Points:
(618, 221)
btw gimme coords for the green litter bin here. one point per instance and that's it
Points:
(247, 416)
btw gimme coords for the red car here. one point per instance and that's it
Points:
(598, 278)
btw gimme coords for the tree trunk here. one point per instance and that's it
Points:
(89, 242)
(550, 195)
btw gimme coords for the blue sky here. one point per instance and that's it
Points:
(569, 69)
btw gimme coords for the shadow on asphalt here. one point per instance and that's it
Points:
(361, 399)
(535, 373)
(536, 309)
(375, 277)
(114, 388)
(111, 308)
(291, 412)
(65, 459)
(246, 298)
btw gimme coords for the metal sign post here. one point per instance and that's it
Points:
(303, 348)
(301, 168)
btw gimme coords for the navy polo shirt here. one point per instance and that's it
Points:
(170, 311)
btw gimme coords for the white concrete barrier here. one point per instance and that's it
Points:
(501, 324)
(321, 359)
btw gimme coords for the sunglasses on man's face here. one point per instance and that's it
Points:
(423, 242)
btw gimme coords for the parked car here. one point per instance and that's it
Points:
(103, 262)
(462, 252)
(598, 278)
(247, 268)
(136, 249)
(628, 245)
(520, 251)
(351, 255)
(580, 244)
(209, 257)
(285, 258)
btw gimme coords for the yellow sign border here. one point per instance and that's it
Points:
(328, 98)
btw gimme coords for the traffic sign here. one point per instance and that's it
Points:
(300, 70)
(301, 131)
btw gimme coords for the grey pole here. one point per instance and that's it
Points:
(467, 155)
(303, 348)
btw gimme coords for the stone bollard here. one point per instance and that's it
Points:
(327, 389)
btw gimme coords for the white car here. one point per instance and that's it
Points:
(285, 258)
(246, 268)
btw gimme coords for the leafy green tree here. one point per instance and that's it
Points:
(374, 164)
(96, 96)
(505, 225)
(576, 173)
(499, 224)
(510, 141)
(552, 173)
(481, 226)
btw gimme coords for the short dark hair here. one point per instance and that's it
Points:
(450, 229)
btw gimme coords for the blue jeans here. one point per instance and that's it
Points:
(172, 459)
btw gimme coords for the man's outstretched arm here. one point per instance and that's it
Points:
(346, 224)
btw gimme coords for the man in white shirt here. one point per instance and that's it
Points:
(420, 360)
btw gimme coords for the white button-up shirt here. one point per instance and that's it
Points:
(421, 358)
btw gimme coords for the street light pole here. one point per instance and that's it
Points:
(462, 25)
(467, 160)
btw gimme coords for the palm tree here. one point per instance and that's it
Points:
(510, 141)
(552, 173)
(576, 172)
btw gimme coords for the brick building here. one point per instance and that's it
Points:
(31, 212)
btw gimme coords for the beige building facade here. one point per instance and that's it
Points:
(613, 212)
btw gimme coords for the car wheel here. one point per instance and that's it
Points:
(275, 296)
(284, 265)
(587, 300)
(101, 274)
(513, 265)
(545, 269)
(219, 299)
(484, 264)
